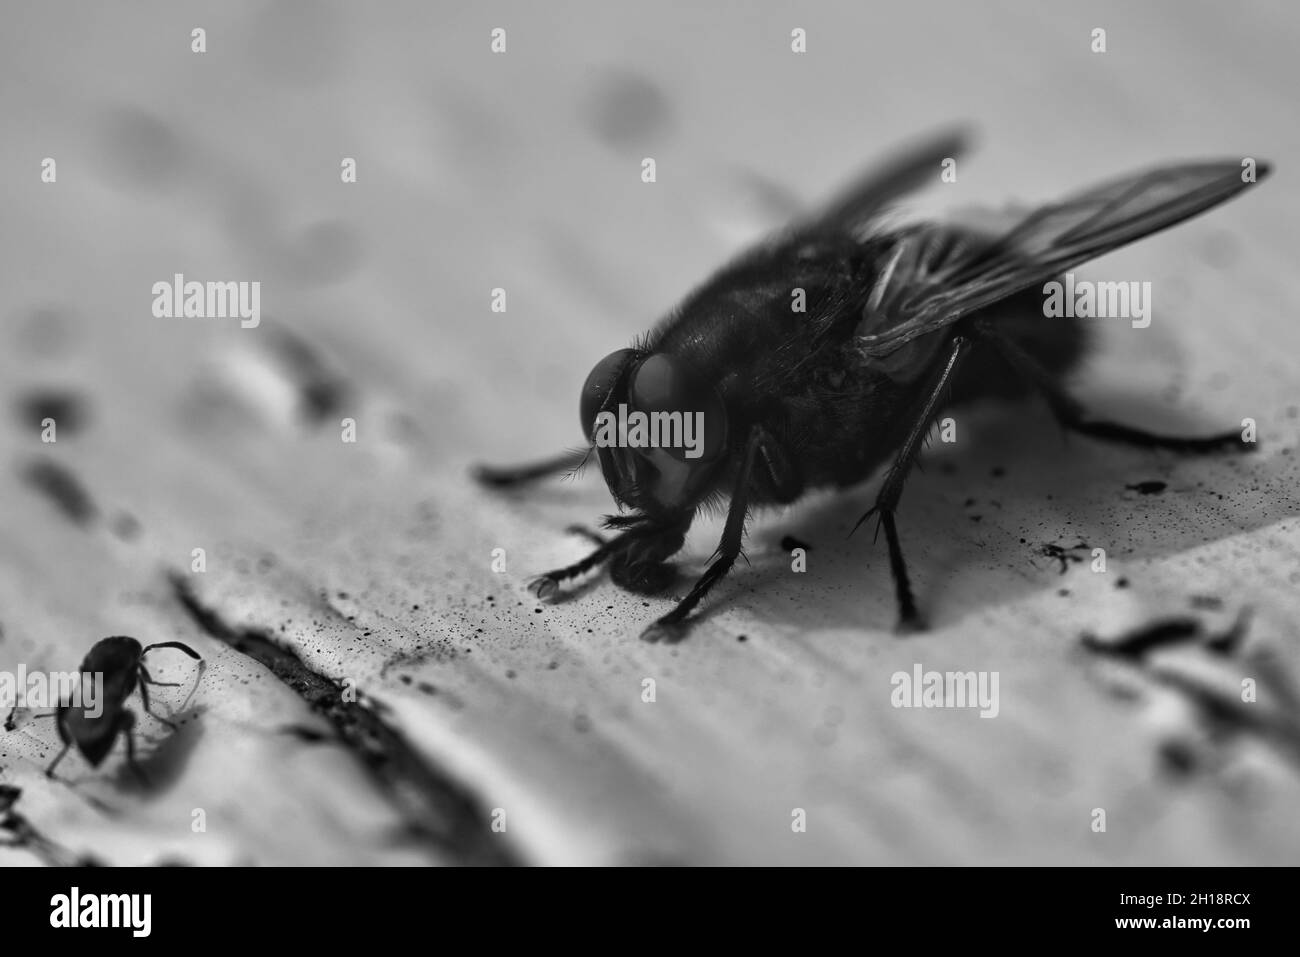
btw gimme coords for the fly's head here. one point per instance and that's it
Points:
(658, 428)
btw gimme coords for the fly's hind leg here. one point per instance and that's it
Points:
(891, 490)
(1070, 413)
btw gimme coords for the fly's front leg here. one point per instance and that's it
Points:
(512, 476)
(643, 566)
(669, 627)
(891, 490)
(644, 542)
(1071, 414)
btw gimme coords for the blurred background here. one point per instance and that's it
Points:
(371, 563)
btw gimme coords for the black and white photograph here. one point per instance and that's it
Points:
(627, 434)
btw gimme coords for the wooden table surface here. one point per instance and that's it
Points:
(487, 728)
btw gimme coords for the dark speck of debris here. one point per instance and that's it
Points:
(126, 527)
(626, 109)
(9, 796)
(976, 518)
(998, 472)
(1063, 592)
(1122, 583)
(427, 688)
(304, 733)
(1178, 757)
(1136, 643)
(406, 679)
(67, 410)
(1207, 602)
(742, 637)
(320, 392)
(1148, 488)
(969, 502)
(1063, 555)
(63, 488)
(553, 665)
(1228, 641)
(537, 611)
(510, 673)
(789, 543)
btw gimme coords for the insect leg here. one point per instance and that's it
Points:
(126, 725)
(147, 678)
(49, 772)
(512, 475)
(891, 490)
(733, 533)
(144, 696)
(545, 586)
(594, 537)
(10, 724)
(1070, 413)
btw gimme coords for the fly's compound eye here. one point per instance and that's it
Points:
(600, 382)
(676, 402)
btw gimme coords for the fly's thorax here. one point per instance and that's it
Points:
(912, 361)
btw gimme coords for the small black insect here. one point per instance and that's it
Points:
(899, 322)
(120, 660)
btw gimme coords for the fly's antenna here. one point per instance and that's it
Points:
(173, 644)
(179, 646)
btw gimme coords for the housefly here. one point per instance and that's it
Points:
(900, 321)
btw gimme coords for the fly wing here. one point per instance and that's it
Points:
(1054, 239)
(814, 252)
(908, 169)
(825, 233)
